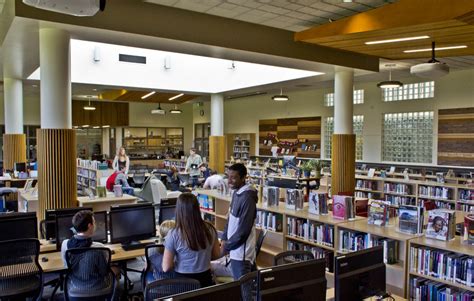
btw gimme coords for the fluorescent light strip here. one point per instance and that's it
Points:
(176, 96)
(397, 40)
(148, 95)
(436, 49)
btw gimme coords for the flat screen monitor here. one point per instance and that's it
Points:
(359, 275)
(64, 228)
(50, 219)
(18, 226)
(228, 292)
(128, 206)
(282, 183)
(166, 213)
(132, 224)
(20, 166)
(304, 280)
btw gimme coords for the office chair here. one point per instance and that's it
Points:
(139, 178)
(159, 192)
(4, 191)
(21, 274)
(153, 270)
(292, 257)
(168, 287)
(248, 286)
(89, 274)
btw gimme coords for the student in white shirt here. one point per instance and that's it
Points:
(214, 181)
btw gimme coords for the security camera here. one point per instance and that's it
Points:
(79, 8)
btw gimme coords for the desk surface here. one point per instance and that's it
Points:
(330, 296)
(109, 198)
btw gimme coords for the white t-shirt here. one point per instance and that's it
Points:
(213, 182)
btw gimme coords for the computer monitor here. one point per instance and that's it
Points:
(282, 182)
(18, 226)
(128, 206)
(132, 224)
(64, 228)
(20, 166)
(359, 275)
(50, 219)
(166, 213)
(305, 280)
(229, 292)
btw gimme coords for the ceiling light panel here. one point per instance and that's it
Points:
(436, 49)
(397, 40)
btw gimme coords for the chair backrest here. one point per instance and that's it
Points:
(184, 179)
(21, 272)
(292, 257)
(168, 287)
(248, 286)
(259, 243)
(158, 190)
(89, 273)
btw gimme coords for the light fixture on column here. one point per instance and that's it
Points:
(89, 107)
(280, 97)
(176, 110)
(389, 83)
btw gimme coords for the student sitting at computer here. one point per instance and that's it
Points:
(213, 181)
(190, 247)
(165, 228)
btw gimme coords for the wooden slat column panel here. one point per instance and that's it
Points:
(343, 164)
(57, 186)
(217, 153)
(14, 150)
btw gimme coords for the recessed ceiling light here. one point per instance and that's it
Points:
(347, 1)
(148, 95)
(397, 40)
(437, 48)
(175, 97)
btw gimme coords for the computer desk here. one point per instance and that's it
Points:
(103, 204)
(330, 296)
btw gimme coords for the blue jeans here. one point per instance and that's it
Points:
(194, 181)
(240, 268)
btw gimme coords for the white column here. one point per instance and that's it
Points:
(106, 142)
(217, 115)
(118, 140)
(343, 100)
(13, 98)
(55, 64)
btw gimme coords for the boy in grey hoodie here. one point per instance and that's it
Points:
(239, 233)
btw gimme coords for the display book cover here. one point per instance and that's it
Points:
(294, 199)
(378, 213)
(410, 219)
(469, 229)
(318, 203)
(441, 224)
(271, 196)
(343, 207)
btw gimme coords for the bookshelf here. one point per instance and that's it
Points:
(240, 146)
(420, 275)
(88, 177)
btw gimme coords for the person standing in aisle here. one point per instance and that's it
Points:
(192, 166)
(239, 234)
(121, 161)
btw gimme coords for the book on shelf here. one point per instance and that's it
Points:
(294, 199)
(378, 213)
(352, 241)
(318, 203)
(371, 173)
(441, 224)
(410, 219)
(468, 236)
(311, 231)
(422, 289)
(271, 196)
(269, 220)
(343, 207)
(440, 177)
(318, 253)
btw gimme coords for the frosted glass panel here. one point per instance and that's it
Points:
(358, 124)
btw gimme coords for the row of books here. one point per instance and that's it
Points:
(466, 207)
(350, 241)
(365, 184)
(431, 204)
(269, 220)
(466, 194)
(436, 192)
(396, 188)
(317, 252)
(397, 200)
(311, 231)
(363, 194)
(422, 289)
(206, 202)
(444, 265)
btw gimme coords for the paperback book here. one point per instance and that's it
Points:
(294, 199)
(441, 224)
(271, 196)
(410, 219)
(318, 203)
(378, 213)
(343, 207)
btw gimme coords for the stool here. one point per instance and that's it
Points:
(3, 192)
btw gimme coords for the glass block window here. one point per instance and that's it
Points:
(358, 98)
(408, 137)
(409, 91)
(329, 130)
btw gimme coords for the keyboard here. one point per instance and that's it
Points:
(136, 246)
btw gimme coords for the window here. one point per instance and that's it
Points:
(358, 98)
(358, 123)
(408, 137)
(409, 91)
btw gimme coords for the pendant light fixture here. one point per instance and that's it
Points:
(158, 110)
(388, 84)
(89, 107)
(280, 97)
(176, 110)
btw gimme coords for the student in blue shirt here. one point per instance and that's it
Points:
(192, 244)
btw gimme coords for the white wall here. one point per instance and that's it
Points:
(31, 109)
